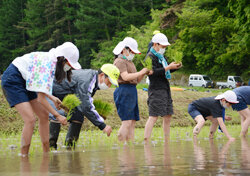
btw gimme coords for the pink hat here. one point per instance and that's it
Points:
(229, 95)
(70, 52)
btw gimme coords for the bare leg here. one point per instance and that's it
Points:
(213, 126)
(43, 117)
(26, 112)
(149, 127)
(132, 131)
(245, 121)
(166, 126)
(124, 130)
(200, 123)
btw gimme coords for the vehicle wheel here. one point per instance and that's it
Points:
(230, 87)
(191, 85)
(203, 86)
(220, 87)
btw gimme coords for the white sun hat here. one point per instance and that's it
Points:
(127, 42)
(161, 39)
(132, 44)
(119, 47)
(70, 52)
(229, 96)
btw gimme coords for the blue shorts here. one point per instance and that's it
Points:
(193, 111)
(126, 101)
(241, 105)
(14, 87)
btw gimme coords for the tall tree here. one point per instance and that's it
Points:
(11, 38)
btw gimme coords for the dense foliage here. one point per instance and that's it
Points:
(211, 35)
(32, 25)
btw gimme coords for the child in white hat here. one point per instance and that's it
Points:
(213, 109)
(125, 96)
(28, 81)
(159, 94)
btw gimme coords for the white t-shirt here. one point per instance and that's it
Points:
(38, 69)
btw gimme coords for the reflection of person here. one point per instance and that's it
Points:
(213, 109)
(245, 154)
(159, 94)
(125, 96)
(243, 96)
(127, 160)
(199, 155)
(28, 81)
(26, 170)
(84, 84)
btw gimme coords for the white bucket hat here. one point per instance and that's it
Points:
(70, 52)
(127, 42)
(161, 39)
(229, 95)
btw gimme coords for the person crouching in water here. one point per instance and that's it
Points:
(125, 96)
(159, 93)
(213, 109)
(85, 83)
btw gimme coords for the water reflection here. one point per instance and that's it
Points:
(206, 157)
(127, 160)
(26, 166)
(245, 155)
(158, 161)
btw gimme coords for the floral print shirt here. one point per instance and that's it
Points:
(38, 69)
(41, 73)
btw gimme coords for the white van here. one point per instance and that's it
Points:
(200, 81)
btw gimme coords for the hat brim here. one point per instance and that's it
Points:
(165, 43)
(75, 65)
(119, 47)
(135, 51)
(221, 96)
(113, 81)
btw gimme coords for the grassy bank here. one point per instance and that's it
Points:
(11, 122)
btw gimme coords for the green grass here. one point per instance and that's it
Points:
(97, 138)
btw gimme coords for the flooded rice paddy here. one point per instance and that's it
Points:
(178, 156)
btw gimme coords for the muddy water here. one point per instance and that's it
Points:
(173, 158)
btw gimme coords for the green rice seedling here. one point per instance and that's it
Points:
(70, 102)
(103, 108)
(178, 57)
(147, 63)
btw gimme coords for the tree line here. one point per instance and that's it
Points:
(38, 25)
(212, 35)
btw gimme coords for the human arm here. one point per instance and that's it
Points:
(42, 99)
(224, 129)
(131, 76)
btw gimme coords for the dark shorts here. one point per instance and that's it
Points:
(193, 111)
(241, 105)
(160, 102)
(126, 101)
(14, 87)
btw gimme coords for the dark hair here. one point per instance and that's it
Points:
(116, 56)
(60, 73)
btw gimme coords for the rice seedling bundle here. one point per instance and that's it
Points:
(103, 108)
(178, 57)
(147, 63)
(69, 103)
